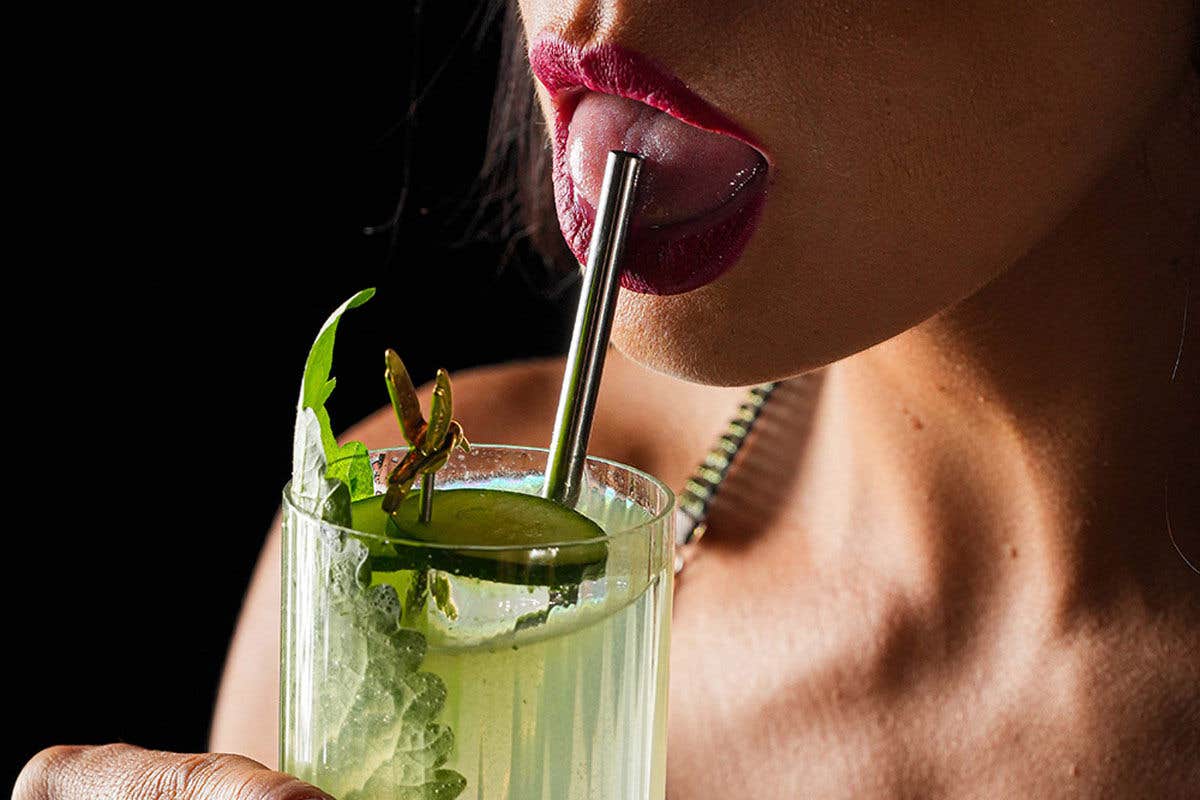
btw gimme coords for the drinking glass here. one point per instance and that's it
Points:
(413, 670)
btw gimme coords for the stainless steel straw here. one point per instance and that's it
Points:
(593, 324)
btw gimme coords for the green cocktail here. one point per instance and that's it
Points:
(474, 639)
(508, 648)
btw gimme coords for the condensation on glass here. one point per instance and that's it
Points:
(409, 677)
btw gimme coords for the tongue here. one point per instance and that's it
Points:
(688, 172)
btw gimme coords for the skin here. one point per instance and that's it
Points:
(917, 152)
(942, 568)
(121, 771)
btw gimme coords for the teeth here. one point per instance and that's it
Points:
(688, 173)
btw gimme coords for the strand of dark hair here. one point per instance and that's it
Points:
(516, 200)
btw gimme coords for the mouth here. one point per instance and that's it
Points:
(704, 179)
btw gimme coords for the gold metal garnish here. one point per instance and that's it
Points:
(430, 443)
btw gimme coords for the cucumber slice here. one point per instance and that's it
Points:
(488, 517)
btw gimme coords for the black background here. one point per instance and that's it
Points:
(194, 197)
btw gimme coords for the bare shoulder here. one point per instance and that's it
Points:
(643, 418)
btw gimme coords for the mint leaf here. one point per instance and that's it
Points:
(308, 461)
(319, 465)
(439, 590)
(379, 708)
(349, 571)
(311, 490)
(352, 466)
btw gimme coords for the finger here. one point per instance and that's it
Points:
(124, 772)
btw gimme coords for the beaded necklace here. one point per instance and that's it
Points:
(691, 512)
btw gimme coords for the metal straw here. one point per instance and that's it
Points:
(593, 324)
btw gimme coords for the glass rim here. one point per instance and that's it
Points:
(668, 508)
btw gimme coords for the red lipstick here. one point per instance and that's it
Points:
(705, 177)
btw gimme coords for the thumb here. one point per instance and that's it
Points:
(124, 772)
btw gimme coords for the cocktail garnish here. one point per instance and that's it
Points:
(404, 399)
(430, 442)
(326, 477)
(326, 480)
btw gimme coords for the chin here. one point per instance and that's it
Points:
(769, 320)
(703, 337)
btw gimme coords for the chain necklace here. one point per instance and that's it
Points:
(691, 513)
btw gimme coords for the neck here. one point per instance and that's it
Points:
(1032, 426)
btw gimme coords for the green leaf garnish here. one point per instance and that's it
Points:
(387, 742)
(439, 590)
(316, 385)
(312, 490)
(387, 738)
(353, 467)
(317, 461)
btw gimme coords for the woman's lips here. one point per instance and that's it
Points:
(703, 183)
(688, 174)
